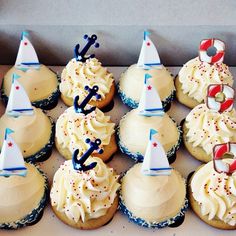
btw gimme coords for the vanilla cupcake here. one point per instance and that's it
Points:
(131, 81)
(34, 134)
(84, 71)
(40, 82)
(23, 198)
(203, 128)
(153, 201)
(72, 129)
(85, 199)
(134, 129)
(195, 77)
(212, 196)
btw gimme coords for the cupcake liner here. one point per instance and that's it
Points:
(46, 151)
(147, 224)
(137, 156)
(35, 215)
(45, 104)
(133, 104)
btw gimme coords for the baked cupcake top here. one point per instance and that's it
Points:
(206, 128)
(134, 131)
(76, 75)
(21, 195)
(73, 128)
(39, 83)
(84, 195)
(32, 132)
(195, 77)
(215, 193)
(147, 196)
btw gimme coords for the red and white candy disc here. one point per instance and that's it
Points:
(208, 43)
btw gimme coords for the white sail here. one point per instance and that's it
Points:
(149, 56)
(18, 102)
(155, 161)
(150, 103)
(26, 55)
(11, 158)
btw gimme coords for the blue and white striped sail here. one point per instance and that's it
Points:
(11, 158)
(26, 56)
(150, 103)
(155, 162)
(18, 102)
(148, 56)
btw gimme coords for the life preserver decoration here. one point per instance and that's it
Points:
(220, 97)
(219, 152)
(220, 51)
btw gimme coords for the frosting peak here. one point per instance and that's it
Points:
(76, 75)
(84, 195)
(196, 76)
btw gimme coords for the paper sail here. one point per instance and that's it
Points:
(205, 45)
(150, 103)
(222, 151)
(11, 158)
(220, 97)
(155, 161)
(18, 102)
(26, 57)
(149, 56)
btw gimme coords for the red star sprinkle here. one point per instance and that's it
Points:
(10, 144)
(25, 43)
(154, 144)
(149, 87)
(148, 44)
(17, 87)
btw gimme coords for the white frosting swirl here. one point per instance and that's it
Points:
(196, 76)
(215, 193)
(76, 75)
(73, 128)
(207, 128)
(84, 195)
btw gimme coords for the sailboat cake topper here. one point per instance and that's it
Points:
(81, 55)
(80, 108)
(11, 158)
(150, 103)
(78, 164)
(18, 102)
(155, 162)
(26, 56)
(148, 56)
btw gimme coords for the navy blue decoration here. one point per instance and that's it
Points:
(91, 92)
(79, 164)
(81, 56)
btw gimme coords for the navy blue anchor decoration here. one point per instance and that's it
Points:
(78, 164)
(80, 108)
(81, 55)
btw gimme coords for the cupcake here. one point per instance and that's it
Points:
(212, 189)
(211, 123)
(153, 194)
(34, 130)
(84, 71)
(131, 81)
(84, 191)
(40, 83)
(24, 192)
(81, 121)
(197, 74)
(134, 127)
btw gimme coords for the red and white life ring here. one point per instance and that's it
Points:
(220, 51)
(227, 104)
(218, 155)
